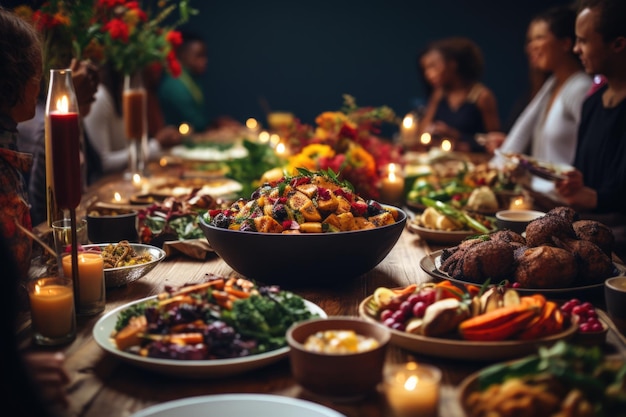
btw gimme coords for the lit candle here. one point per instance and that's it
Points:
(408, 129)
(520, 203)
(446, 145)
(412, 390)
(65, 138)
(91, 278)
(392, 185)
(52, 309)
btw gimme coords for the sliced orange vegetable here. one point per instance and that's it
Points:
(503, 331)
(497, 317)
(186, 338)
(131, 334)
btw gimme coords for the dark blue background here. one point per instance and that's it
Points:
(302, 56)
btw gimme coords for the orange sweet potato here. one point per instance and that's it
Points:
(503, 330)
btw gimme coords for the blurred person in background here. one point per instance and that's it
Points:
(597, 187)
(459, 105)
(548, 126)
(182, 99)
(104, 125)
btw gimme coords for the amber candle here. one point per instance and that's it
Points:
(134, 104)
(91, 278)
(412, 390)
(52, 310)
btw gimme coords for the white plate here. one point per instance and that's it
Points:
(238, 405)
(209, 153)
(187, 368)
(444, 237)
(464, 349)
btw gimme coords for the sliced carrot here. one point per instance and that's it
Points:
(131, 334)
(186, 338)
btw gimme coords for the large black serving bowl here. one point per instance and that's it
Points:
(306, 258)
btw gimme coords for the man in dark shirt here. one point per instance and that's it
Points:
(598, 185)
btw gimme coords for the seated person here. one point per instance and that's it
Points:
(547, 127)
(459, 106)
(598, 185)
(104, 125)
(181, 98)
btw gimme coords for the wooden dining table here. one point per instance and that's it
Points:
(102, 385)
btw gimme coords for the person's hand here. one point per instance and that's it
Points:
(491, 140)
(48, 372)
(85, 78)
(572, 183)
(168, 136)
(574, 193)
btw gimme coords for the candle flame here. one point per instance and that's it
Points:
(518, 202)
(281, 149)
(411, 383)
(425, 138)
(63, 104)
(446, 145)
(264, 137)
(136, 179)
(274, 139)
(251, 123)
(408, 121)
(184, 129)
(117, 197)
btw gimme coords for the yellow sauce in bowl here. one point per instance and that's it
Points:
(339, 342)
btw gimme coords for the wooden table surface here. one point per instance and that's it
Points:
(103, 385)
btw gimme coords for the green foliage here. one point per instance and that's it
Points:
(261, 158)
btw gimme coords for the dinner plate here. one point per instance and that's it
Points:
(443, 237)
(432, 262)
(206, 153)
(186, 368)
(463, 349)
(238, 405)
(543, 169)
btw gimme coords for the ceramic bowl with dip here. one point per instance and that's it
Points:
(516, 220)
(615, 298)
(338, 357)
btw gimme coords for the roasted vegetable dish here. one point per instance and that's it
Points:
(307, 203)
(218, 318)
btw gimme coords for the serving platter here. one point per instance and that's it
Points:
(432, 262)
(452, 348)
(186, 368)
(442, 237)
(238, 405)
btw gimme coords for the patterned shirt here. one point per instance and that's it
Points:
(14, 207)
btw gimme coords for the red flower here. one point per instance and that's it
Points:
(173, 64)
(117, 29)
(348, 132)
(175, 38)
(110, 3)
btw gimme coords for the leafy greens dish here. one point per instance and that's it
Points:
(216, 319)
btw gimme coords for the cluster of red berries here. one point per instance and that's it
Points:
(398, 311)
(587, 315)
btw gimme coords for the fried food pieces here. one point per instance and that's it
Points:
(558, 251)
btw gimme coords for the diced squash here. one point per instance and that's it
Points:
(324, 182)
(362, 223)
(300, 202)
(346, 222)
(333, 220)
(343, 205)
(329, 205)
(311, 227)
(382, 219)
(266, 224)
(308, 189)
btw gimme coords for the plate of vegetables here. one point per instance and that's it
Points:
(444, 224)
(467, 322)
(222, 326)
(564, 379)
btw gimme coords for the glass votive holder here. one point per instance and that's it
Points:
(392, 184)
(91, 284)
(62, 232)
(412, 389)
(52, 310)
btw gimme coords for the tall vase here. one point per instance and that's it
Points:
(134, 108)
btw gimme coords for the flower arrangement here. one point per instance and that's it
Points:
(116, 31)
(346, 141)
